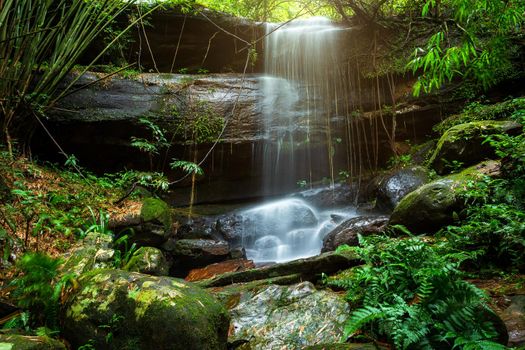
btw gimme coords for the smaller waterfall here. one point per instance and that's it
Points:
(287, 229)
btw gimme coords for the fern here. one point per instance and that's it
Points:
(412, 295)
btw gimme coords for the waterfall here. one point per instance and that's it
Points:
(299, 88)
(299, 107)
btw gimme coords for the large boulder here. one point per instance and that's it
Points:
(288, 317)
(115, 309)
(394, 186)
(148, 260)
(23, 342)
(464, 144)
(514, 318)
(433, 205)
(348, 231)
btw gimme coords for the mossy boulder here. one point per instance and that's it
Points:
(23, 342)
(137, 311)
(148, 260)
(434, 205)
(151, 226)
(463, 144)
(93, 252)
(288, 317)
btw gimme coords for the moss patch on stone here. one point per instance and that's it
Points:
(154, 209)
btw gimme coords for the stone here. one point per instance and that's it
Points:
(289, 317)
(194, 253)
(25, 342)
(148, 260)
(345, 346)
(230, 226)
(213, 270)
(394, 186)
(93, 252)
(347, 232)
(514, 318)
(139, 311)
(308, 269)
(464, 144)
(433, 205)
(152, 226)
(328, 196)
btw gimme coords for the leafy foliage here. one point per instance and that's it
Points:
(483, 50)
(187, 167)
(38, 288)
(411, 294)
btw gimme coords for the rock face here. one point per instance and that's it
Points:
(137, 311)
(392, 188)
(514, 318)
(346, 233)
(464, 144)
(290, 317)
(148, 260)
(21, 342)
(433, 205)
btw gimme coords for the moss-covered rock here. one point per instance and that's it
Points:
(151, 226)
(288, 317)
(148, 260)
(433, 205)
(156, 211)
(93, 252)
(463, 144)
(136, 311)
(22, 342)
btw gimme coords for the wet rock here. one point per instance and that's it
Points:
(325, 197)
(194, 253)
(393, 187)
(24, 342)
(213, 270)
(95, 251)
(152, 226)
(143, 312)
(290, 317)
(230, 226)
(309, 269)
(346, 233)
(463, 144)
(514, 318)
(148, 260)
(433, 205)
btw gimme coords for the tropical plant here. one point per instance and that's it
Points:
(38, 288)
(411, 294)
(483, 49)
(153, 144)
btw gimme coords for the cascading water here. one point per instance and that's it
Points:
(299, 104)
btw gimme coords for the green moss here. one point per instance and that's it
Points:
(154, 209)
(21, 342)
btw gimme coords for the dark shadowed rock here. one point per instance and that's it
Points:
(464, 144)
(143, 312)
(346, 233)
(514, 318)
(194, 253)
(393, 187)
(325, 197)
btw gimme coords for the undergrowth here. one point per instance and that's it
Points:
(411, 294)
